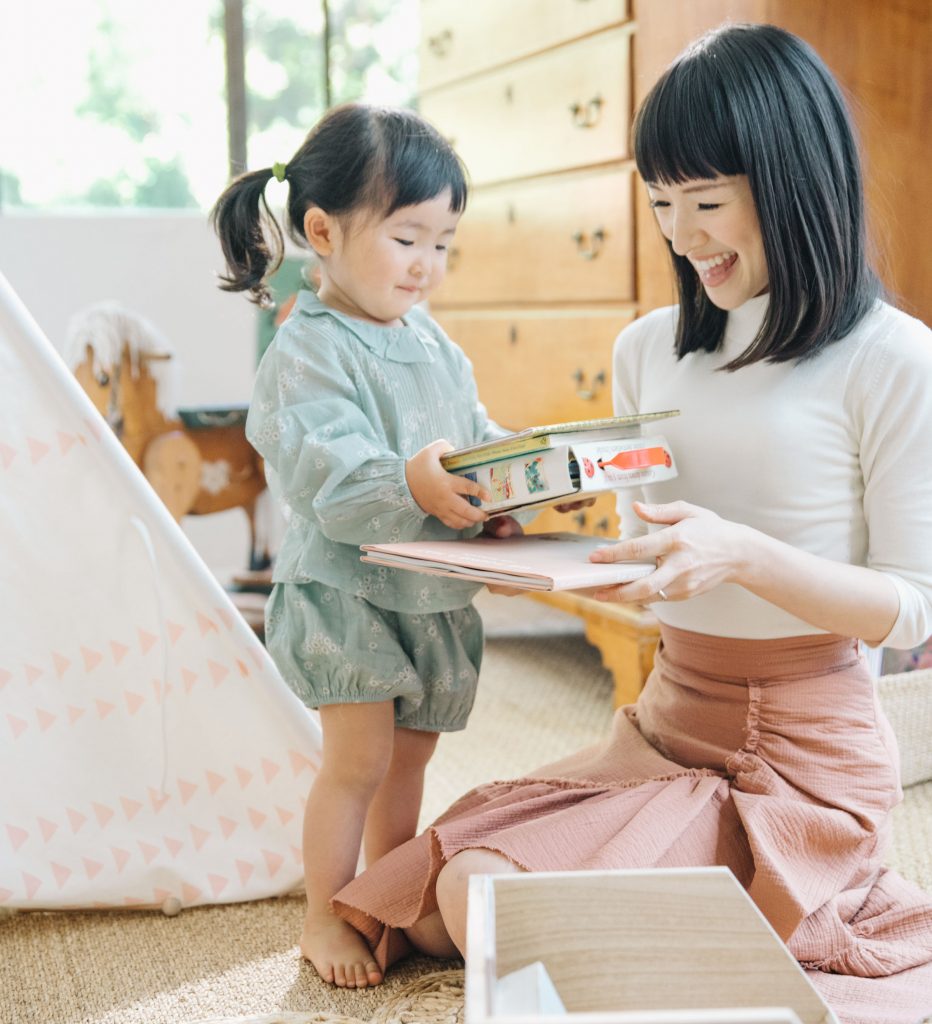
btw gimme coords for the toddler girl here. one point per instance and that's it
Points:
(356, 399)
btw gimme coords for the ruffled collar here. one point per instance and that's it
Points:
(404, 344)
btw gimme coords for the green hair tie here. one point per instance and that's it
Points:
(278, 170)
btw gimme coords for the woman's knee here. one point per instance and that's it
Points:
(453, 886)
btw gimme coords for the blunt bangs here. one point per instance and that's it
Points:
(685, 128)
(416, 164)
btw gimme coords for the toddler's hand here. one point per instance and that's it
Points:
(442, 494)
(503, 526)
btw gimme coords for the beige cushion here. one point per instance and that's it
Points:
(907, 701)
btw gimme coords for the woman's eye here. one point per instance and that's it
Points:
(709, 206)
(404, 241)
(441, 248)
(657, 204)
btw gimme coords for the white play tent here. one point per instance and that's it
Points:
(149, 751)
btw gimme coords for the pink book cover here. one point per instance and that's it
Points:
(541, 561)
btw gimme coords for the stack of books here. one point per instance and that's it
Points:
(564, 462)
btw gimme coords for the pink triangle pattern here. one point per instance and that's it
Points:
(245, 870)
(17, 835)
(273, 861)
(5, 677)
(214, 781)
(269, 769)
(17, 725)
(32, 673)
(130, 807)
(199, 836)
(146, 640)
(31, 883)
(244, 776)
(37, 449)
(61, 873)
(134, 701)
(148, 851)
(157, 799)
(92, 867)
(120, 857)
(61, 663)
(66, 442)
(47, 828)
(243, 668)
(91, 658)
(118, 651)
(189, 678)
(7, 455)
(284, 816)
(218, 672)
(45, 719)
(186, 789)
(74, 713)
(172, 845)
(256, 817)
(190, 893)
(206, 625)
(225, 617)
(102, 813)
(104, 707)
(227, 826)
(76, 818)
(217, 884)
(174, 631)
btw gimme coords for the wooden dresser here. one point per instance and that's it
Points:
(536, 97)
(558, 250)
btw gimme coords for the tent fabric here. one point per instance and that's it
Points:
(149, 750)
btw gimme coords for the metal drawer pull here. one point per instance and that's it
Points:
(453, 257)
(587, 115)
(602, 525)
(587, 394)
(580, 519)
(589, 250)
(439, 45)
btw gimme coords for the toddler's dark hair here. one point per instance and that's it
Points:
(356, 157)
(757, 100)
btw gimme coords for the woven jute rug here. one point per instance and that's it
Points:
(543, 694)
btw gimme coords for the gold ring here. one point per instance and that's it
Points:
(661, 594)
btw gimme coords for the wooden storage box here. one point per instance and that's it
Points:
(658, 946)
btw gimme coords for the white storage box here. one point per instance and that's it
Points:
(658, 946)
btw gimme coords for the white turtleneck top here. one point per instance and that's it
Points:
(832, 455)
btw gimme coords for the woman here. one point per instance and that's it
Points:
(797, 531)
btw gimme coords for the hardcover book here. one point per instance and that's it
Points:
(537, 561)
(536, 439)
(569, 472)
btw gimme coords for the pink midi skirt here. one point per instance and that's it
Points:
(770, 757)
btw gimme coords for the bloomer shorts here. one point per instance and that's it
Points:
(333, 648)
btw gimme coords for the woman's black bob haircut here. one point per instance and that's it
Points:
(357, 158)
(757, 100)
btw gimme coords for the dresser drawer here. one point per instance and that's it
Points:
(457, 40)
(564, 239)
(535, 368)
(598, 520)
(568, 107)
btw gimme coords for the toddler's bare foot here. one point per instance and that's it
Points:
(338, 952)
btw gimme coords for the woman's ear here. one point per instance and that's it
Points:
(320, 229)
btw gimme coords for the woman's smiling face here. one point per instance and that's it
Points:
(713, 223)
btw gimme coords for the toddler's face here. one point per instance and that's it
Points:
(380, 267)
(713, 223)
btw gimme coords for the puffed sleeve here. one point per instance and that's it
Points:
(626, 402)
(328, 462)
(894, 415)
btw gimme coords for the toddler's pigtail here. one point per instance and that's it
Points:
(245, 225)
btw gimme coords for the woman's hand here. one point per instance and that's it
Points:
(697, 551)
(442, 494)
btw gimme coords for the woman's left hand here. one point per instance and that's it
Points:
(696, 551)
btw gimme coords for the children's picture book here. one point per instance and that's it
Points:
(536, 439)
(535, 561)
(569, 472)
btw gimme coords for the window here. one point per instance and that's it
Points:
(124, 105)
